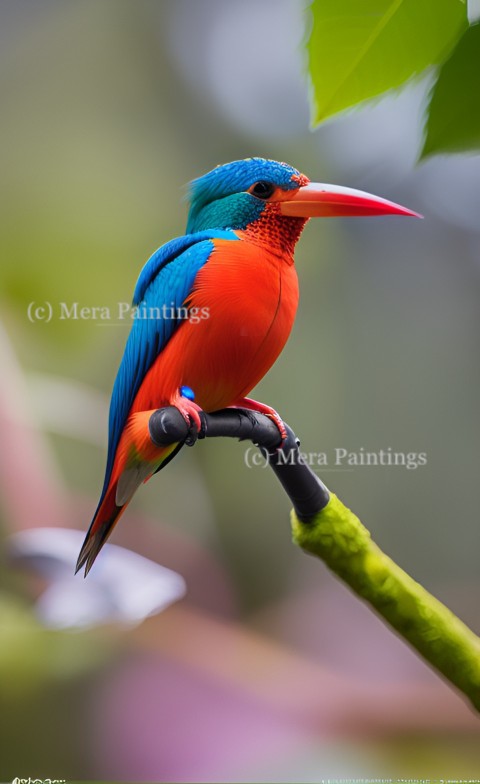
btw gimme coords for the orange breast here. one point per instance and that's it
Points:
(245, 299)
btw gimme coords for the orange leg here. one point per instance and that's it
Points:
(188, 409)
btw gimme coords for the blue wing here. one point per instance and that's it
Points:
(166, 279)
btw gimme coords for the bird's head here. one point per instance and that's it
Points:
(238, 194)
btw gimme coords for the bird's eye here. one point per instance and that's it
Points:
(262, 189)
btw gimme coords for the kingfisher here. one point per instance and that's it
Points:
(214, 309)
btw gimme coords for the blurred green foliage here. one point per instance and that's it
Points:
(453, 123)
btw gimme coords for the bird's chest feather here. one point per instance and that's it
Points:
(245, 298)
(251, 298)
(248, 293)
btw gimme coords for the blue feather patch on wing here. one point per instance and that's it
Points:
(164, 283)
(168, 253)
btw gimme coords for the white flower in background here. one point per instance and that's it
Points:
(124, 588)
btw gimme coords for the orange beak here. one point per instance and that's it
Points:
(319, 200)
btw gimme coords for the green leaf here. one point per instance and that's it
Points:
(358, 49)
(453, 115)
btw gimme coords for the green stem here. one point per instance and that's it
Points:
(338, 537)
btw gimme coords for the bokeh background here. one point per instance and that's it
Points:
(269, 669)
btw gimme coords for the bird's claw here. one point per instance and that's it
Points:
(262, 408)
(191, 414)
(275, 416)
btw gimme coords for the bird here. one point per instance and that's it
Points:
(213, 311)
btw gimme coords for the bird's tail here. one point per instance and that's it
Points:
(126, 477)
(107, 515)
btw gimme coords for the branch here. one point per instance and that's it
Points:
(324, 527)
(305, 490)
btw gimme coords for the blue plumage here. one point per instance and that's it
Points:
(169, 252)
(166, 280)
(219, 198)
